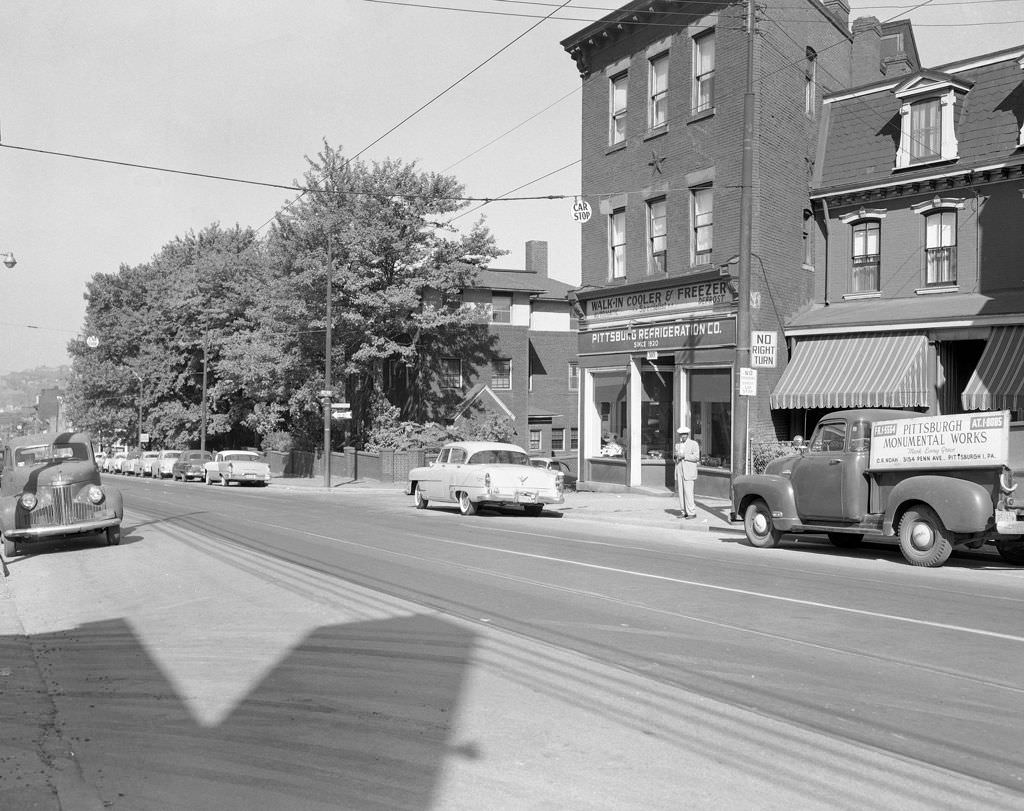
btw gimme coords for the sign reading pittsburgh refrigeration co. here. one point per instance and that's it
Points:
(691, 295)
(682, 333)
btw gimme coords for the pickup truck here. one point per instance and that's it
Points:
(932, 483)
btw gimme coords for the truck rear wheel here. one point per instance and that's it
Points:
(923, 540)
(757, 523)
(1011, 551)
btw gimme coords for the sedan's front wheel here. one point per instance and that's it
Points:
(208, 478)
(466, 507)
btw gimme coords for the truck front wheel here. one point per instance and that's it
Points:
(757, 523)
(923, 540)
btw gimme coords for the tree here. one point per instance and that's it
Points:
(397, 278)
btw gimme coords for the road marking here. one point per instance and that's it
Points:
(665, 579)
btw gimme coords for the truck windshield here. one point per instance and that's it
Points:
(829, 438)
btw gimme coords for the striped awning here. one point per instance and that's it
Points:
(856, 371)
(998, 381)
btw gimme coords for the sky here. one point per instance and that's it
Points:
(246, 90)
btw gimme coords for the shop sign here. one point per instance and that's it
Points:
(681, 333)
(951, 440)
(681, 296)
(763, 349)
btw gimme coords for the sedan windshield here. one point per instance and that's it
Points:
(496, 457)
(39, 454)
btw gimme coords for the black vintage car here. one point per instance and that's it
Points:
(50, 488)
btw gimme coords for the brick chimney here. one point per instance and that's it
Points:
(840, 10)
(537, 257)
(867, 51)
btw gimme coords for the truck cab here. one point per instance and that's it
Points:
(931, 483)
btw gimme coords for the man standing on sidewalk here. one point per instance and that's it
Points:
(687, 454)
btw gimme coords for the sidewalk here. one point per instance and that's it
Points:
(637, 509)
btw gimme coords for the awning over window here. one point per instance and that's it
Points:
(998, 382)
(856, 371)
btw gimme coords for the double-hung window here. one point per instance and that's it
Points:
(928, 120)
(574, 375)
(657, 235)
(501, 308)
(617, 244)
(925, 131)
(451, 373)
(940, 248)
(866, 256)
(617, 93)
(501, 374)
(703, 94)
(703, 223)
(657, 102)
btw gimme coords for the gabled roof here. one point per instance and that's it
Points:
(927, 80)
(861, 127)
(484, 392)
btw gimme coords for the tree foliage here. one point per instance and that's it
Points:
(250, 314)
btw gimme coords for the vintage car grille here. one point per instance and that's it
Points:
(62, 509)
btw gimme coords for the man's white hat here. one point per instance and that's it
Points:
(682, 429)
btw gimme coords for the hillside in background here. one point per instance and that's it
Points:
(20, 389)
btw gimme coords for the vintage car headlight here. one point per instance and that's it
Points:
(559, 481)
(95, 494)
(1006, 482)
(29, 501)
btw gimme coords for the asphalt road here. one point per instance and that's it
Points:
(273, 648)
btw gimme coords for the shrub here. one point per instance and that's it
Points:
(761, 453)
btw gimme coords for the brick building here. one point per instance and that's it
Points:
(918, 201)
(522, 363)
(662, 146)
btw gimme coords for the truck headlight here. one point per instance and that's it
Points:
(1006, 482)
(28, 501)
(95, 494)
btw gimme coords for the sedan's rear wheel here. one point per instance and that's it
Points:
(421, 500)
(466, 507)
(223, 480)
(10, 548)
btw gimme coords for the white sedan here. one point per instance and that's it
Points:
(244, 467)
(479, 474)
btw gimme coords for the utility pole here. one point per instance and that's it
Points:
(328, 394)
(206, 359)
(741, 420)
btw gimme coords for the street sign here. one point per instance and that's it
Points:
(342, 406)
(748, 382)
(581, 211)
(341, 415)
(652, 355)
(326, 392)
(764, 349)
(143, 438)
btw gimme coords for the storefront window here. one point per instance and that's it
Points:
(711, 415)
(610, 398)
(656, 413)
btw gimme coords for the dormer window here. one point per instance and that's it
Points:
(927, 132)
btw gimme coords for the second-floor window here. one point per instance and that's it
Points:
(703, 73)
(657, 103)
(574, 439)
(703, 224)
(558, 439)
(451, 373)
(574, 376)
(617, 88)
(501, 374)
(536, 439)
(866, 257)
(501, 308)
(657, 235)
(617, 244)
(940, 248)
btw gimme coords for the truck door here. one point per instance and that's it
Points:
(818, 477)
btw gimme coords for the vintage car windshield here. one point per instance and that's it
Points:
(40, 454)
(499, 457)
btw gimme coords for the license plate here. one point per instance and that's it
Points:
(1007, 522)
(250, 475)
(527, 498)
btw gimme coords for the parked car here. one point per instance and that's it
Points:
(162, 467)
(50, 488)
(244, 467)
(112, 464)
(100, 457)
(190, 465)
(558, 466)
(480, 474)
(130, 464)
(146, 462)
